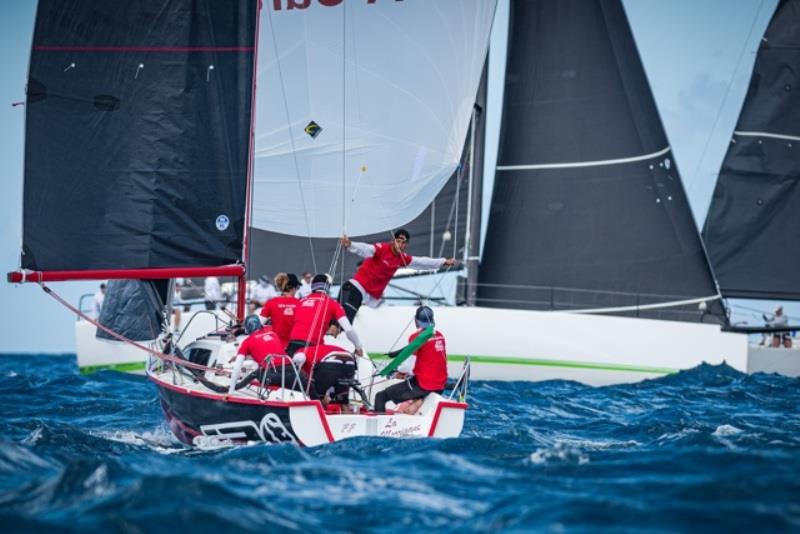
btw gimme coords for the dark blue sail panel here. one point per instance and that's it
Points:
(588, 209)
(753, 225)
(137, 133)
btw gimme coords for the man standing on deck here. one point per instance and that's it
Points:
(97, 301)
(382, 261)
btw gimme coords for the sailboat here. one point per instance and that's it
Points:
(144, 137)
(593, 268)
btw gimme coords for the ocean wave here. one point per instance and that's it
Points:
(704, 446)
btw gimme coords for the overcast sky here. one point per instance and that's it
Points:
(698, 55)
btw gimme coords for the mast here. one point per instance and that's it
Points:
(477, 145)
(241, 293)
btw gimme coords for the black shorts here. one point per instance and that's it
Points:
(350, 298)
(406, 390)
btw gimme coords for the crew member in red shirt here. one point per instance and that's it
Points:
(326, 365)
(265, 347)
(280, 310)
(430, 369)
(314, 314)
(382, 261)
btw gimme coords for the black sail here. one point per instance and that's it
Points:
(438, 231)
(588, 210)
(752, 230)
(137, 133)
(133, 309)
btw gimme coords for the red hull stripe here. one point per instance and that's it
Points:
(121, 274)
(232, 400)
(444, 404)
(324, 420)
(168, 49)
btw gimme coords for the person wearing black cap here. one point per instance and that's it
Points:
(430, 368)
(280, 310)
(382, 261)
(313, 315)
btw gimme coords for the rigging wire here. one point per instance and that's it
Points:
(160, 355)
(344, 121)
(291, 139)
(724, 99)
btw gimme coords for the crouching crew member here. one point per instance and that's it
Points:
(430, 369)
(313, 315)
(265, 347)
(329, 368)
(382, 261)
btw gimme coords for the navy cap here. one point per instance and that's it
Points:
(252, 323)
(424, 317)
(321, 282)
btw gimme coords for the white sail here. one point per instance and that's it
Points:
(391, 85)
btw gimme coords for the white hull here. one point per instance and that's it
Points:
(534, 346)
(201, 416)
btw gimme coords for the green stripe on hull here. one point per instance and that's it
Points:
(505, 360)
(131, 367)
(454, 358)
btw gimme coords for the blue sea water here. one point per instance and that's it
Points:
(708, 449)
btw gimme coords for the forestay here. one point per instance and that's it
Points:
(362, 110)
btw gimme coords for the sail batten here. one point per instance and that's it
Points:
(768, 134)
(574, 164)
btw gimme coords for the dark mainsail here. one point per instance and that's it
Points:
(271, 252)
(753, 226)
(588, 209)
(137, 134)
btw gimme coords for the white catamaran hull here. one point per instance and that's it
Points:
(535, 346)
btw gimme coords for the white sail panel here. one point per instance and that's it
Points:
(391, 85)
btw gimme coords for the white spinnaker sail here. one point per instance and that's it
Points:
(391, 84)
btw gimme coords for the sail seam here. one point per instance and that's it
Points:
(767, 134)
(647, 306)
(597, 163)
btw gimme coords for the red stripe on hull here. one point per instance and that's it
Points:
(442, 405)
